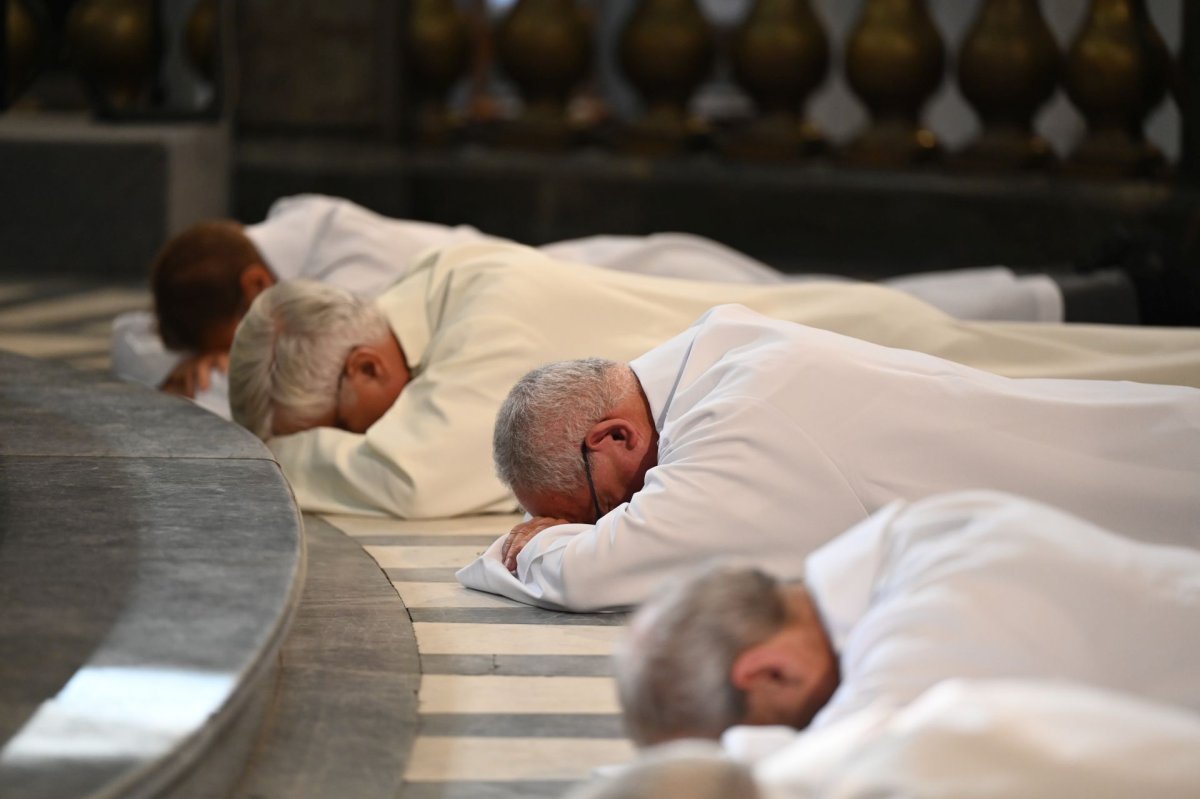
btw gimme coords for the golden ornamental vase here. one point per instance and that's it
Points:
(200, 39)
(1007, 69)
(23, 50)
(1117, 71)
(438, 54)
(114, 45)
(780, 54)
(666, 51)
(545, 47)
(894, 63)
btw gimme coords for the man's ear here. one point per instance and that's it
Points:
(608, 432)
(759, 666)
(365, 363)
(254, 280)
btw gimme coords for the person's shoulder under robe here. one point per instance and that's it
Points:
(775, 438)
(333, 240)
(979, 584)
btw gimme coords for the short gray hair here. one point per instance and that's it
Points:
(682, 769)
(674, 664)
(547, 414)
(290, 349)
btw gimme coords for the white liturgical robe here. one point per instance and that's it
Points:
(776, 437)
(982, 585)
(335, 241)
(476, 317)
(996, 739)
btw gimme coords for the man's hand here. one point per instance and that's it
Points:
(194, 372)
(521, 535)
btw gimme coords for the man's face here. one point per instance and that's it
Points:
(600, 490)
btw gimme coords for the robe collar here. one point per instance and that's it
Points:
(409, 319)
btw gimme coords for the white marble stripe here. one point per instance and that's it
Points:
(424, 557)
(449, 693)
(74, 307)
(92, 363)
(442, 759)
(52, 345)
(440, 638)
(466, 525)
(101, 328)
(449, 595)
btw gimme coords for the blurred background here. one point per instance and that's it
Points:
(868, 138)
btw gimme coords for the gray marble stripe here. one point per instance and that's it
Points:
(519, 665)
(541, 789)
(522, 725)
(421, 575)
(521, 615)
(425, 540)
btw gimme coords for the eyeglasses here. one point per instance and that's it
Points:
(587, 470)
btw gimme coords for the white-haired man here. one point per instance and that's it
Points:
(972, 585)
(473, 318)
(749, 434)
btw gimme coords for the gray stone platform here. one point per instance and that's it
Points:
(151, 559)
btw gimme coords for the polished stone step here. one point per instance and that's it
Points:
(151, 560)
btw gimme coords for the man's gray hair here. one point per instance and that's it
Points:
(547, 414)
(674, 664)
(290, 350)
(683, 769)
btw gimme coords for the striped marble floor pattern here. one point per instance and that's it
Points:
(63, 319)
(514, 701)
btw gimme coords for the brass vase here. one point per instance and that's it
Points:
(666, 51)
(24, 45)
(545, 47)
(1117, 71)
(200, 39)
(780, 54)
(1007, 69)
(894, 63)
(438, 54)
(114, 45)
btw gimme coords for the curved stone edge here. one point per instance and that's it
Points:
(241, 718)
(80, 440)
(344, 715)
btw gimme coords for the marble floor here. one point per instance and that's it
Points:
(513, 701)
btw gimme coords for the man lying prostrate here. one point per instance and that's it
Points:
(752, 434)
(986, 739)
(969, 585)
(404, 392)
(205, 277)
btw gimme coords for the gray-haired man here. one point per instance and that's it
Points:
(974, 585)
(751, 435)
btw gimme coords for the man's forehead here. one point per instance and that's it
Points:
(554, 504)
